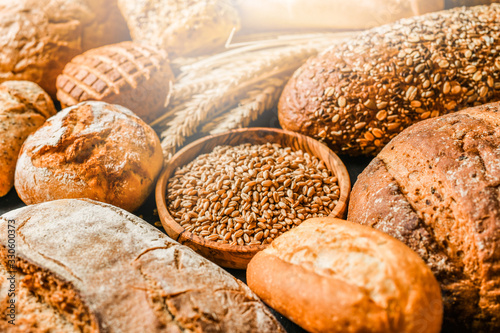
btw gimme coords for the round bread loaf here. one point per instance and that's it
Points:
(359, 94)
(40, 36)
(91, 150)
(181, 27)
(129, 74)
(330, 275)
(435, 187)
(88, 267)
(24, 107)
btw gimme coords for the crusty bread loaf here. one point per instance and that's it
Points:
(133, 75)
(178, 26)
(41, 36)
(435, 187)
(331, 14)
(359, 94)
(329, 275)
(91, 150)
(24, 107)
(93, 267)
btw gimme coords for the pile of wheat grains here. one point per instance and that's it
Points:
(250, 194)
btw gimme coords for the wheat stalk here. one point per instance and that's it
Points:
(257, 101)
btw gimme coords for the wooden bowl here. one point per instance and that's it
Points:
(236, 256)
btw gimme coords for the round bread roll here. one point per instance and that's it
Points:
(129, 74)
(330, 275)
(435, 187)
(24, 107)
(91, 150)
(181, 27)
(361, 93)
(40, 36)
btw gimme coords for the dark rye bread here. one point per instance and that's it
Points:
(436, 188)
(102, 269)
(359, 94)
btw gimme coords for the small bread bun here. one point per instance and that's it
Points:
(92, 150)
(330, 275)
(134, 75)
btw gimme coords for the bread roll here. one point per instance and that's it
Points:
(361, 93)
(41, 36)
(24, 107)
(434, 187)
(181, 27)
(329, 275)
(331, 14)
(133, 75)
(85, 266)
(91, 150)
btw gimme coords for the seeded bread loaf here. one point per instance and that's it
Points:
(91, 150)
(92, 267)
(181, 26)
(329, 275)
(331, 14)
(41, 36)
(24, 107)
(133, 75)
(359, 94)
(435, 187)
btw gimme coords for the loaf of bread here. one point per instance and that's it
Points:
(435, 187)
(85, 266)
(181, 27)
(330, 275)
(133, 75)
(359, 94)
(265, 15)
(24, 107)
(41, 36)
(91, 150)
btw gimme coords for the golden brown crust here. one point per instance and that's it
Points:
(131, 277)
(359, 94)
(435, 187)
(181, 27)
(329, 275)
(91, 150)
(24, 107)
(133, 75)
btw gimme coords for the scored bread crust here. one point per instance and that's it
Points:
(329, 275)
(91, 150)
(435, 187)
(24, 107)
(359, 94)
(131, 277)
(182, 27)
(129, 74)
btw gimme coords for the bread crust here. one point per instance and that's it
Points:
(24, 107)
(91, 150)
(130, 74)
(329, 275)
(132, 277)
(434, 188)
(359, 94)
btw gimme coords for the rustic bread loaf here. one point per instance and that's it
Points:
(181, 27)
(24, 107)
(331, 14)
(133, 75)
(435, 187)
(91, 150)
(41, 36)
(359, 94)
(96, 268)
(329, 275)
